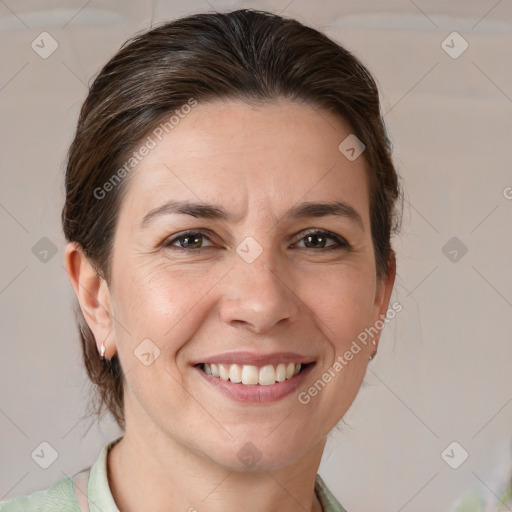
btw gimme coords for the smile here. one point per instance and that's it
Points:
(251, 375)
(256, 385)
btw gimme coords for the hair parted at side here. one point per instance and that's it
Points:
(248, 55)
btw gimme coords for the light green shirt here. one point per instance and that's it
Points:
(60, 497)
(474, 501)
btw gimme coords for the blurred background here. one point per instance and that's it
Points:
(433, 420)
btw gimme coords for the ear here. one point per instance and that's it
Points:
(382, 296)
(93, 296)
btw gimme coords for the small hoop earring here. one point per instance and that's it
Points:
(373, 355)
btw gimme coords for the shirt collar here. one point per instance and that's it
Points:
(100, 497)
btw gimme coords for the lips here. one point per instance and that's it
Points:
(252, 393)
(255, 378)
(251, 358)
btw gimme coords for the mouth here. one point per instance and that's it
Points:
(254, 375)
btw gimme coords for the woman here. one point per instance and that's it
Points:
(230, 197)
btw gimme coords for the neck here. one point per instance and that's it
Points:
(153, 472)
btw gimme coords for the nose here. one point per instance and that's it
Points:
(258, 297)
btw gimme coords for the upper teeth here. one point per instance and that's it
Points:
(249, 374)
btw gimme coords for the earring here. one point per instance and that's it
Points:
(102, 350)
(373, 355)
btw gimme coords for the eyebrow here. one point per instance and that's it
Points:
(216, 212)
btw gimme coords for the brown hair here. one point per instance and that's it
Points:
(247, 55)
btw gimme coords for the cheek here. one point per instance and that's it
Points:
(162, 303)
(342, 301)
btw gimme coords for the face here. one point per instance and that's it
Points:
(251, 277)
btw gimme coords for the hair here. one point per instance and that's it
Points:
(244, 55)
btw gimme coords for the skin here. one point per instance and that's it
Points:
(182, 435)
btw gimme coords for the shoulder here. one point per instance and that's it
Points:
(480, 500)
(59, 496)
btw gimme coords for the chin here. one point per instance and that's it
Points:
(256, 453)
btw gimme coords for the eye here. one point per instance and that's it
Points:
(316, 239)
(188, 240)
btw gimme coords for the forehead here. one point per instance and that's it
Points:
(272, 155)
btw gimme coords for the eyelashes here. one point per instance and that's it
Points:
(196, 236)
(341, 243)
(186, 235)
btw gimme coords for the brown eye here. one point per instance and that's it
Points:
(188, 240)
(318, 240)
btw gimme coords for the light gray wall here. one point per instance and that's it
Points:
(443, 372)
